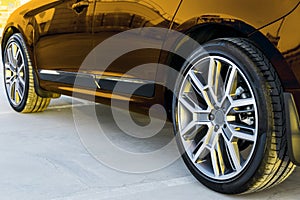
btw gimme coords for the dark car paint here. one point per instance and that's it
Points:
(60, 37)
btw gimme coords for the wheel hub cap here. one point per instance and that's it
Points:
(217, 117)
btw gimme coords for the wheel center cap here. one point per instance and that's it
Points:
(219, 117)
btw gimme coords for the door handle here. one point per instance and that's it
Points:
(80, 6)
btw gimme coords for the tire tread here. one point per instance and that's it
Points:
(277, 166)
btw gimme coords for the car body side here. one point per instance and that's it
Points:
(51, 28)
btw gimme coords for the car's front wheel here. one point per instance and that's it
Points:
(228, 115)
(19, 78)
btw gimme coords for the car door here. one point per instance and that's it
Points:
(63, 36)
(116, 19)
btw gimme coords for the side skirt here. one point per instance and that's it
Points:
(138, 87)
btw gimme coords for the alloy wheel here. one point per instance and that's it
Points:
(14, 73)
(217, 118)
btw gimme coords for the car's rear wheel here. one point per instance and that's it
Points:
(228, 115)
(19, 78)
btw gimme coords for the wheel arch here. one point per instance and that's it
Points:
(206, 28)
(9, 31)
(210, 28)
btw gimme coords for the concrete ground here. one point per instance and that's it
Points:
(42, 157)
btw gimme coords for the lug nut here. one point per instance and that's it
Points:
(211, 117)
(217, 128)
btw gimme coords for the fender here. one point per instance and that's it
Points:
(208, 27)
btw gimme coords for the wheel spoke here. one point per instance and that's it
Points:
(218, 77)
(202, 151)
(216, 157)
(14, 91)
(20, 68)
(20, 92)
(244, 136)
(199, 86)
(231, 133)
(188, 127)
(16, 96)
(230, 81)
(214, 161)
(14, 50)
(21, 82)
(234, 154)
(9, 79)
(220, 156)
(237, 126)
(190, 135)
(10, 55)
(9, 86)
(198, 83)
(211, 72)
(214, 77)
(9, 67)
(202, 116)
(18, 52)
(186, 101)
(242, 102)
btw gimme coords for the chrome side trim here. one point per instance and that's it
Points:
(52, 72)
(126, 80)
(62, 73)
(97, 77)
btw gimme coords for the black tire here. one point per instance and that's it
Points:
(268, 164)
(19, 73)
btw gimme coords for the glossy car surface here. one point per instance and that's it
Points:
(60, 34)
